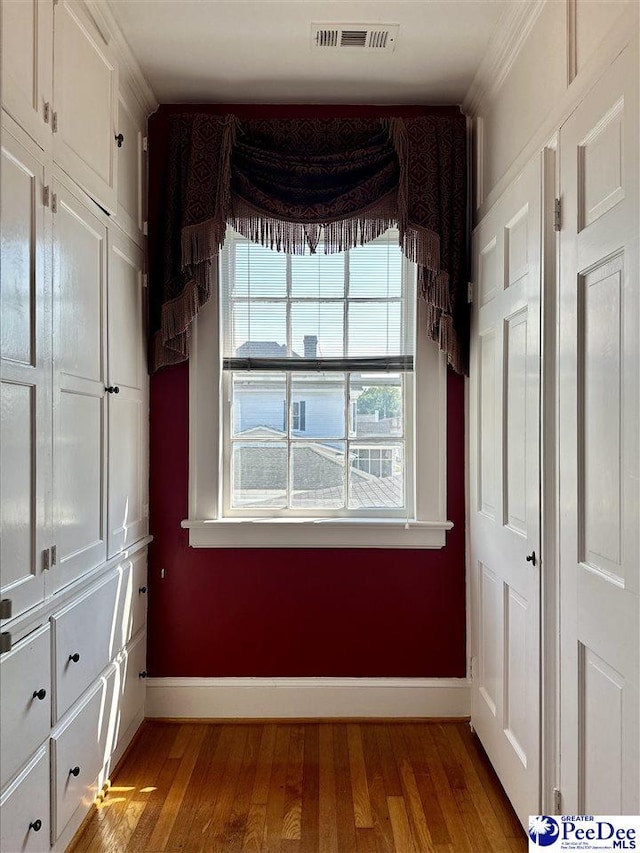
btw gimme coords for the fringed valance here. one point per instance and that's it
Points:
(290, 184)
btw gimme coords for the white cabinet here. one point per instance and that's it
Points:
(131, 668)
(128, 402)
(85, 84)
(27, 65)
(131, 166)
(24, 808)
(79, 361)
(25, 701)
(25, 370)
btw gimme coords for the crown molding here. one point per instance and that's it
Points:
(131, 73)
(511, 32)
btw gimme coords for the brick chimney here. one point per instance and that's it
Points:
(310, 346)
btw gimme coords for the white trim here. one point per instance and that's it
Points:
(512, 31)
(307, 698)
(316, 533)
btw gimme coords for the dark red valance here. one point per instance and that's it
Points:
(290, 183)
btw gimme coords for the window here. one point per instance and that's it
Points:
(309, 388)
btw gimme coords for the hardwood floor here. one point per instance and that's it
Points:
(304, 788)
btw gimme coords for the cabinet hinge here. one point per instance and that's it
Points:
(145, 279)
(557, 801)
(471, 669)
(145, 143)
(557, 215)
(46, 196)
(5, 642)
(54, 122)
(6, 608)
(54, 554)
(145, 228)
(47, 112)
(46, 560)
(470, 292)
(54, 203)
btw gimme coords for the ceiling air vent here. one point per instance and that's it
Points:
(366, 37)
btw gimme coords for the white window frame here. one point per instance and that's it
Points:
(207, 526)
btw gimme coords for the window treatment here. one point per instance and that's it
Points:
(290, 184)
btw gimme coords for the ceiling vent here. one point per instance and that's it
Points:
(365, 37)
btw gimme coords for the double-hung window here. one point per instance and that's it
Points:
(317, 412)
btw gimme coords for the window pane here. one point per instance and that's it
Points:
(319, 275)
(259, 475)
(318, 475)
(377, 404)
(375, 328)
(318, 405)
(259, 405)
(375, 270)
(376, 476)
(317, 329)
(259, 329)
(260, 271)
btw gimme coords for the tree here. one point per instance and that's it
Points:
(387, 401)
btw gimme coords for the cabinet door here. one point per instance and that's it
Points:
(131, 124)
(25, 372)
(24, 808)
(85, 81)
(79, 352)
(27, 65)
(128, 407)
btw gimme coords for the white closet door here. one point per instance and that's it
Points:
(504, 489)
(25, 429)
(599, 444)
(79, 354)
(27, 65)
(85, 95)
(128, 397)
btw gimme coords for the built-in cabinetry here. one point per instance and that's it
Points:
(74, 416)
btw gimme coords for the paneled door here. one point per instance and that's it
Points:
(504, 428)
(128, 397)
(25, 428)
(599, 444)
(79, 362)
(27, 65)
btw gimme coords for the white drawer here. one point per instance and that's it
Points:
(81, 745)
(132, 600)
(24, 808)
(84, 640)
(131, 663)
(25, 701)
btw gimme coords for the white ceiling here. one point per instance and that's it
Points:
(259, 51)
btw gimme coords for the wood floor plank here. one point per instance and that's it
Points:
(311, 787)
(361, 801)
(171, 806)
(327, 824)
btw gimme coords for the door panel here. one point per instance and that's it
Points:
(86, 89)
(505, 476)
(128, 408)
(80, 257)
(27, 65)
(25, 430)
(598, 448)
(131, 124)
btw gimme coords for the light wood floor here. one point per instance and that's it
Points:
(304, 788)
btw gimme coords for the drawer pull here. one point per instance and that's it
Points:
(142, 590)
(142, 674)
(75, 771)
(39, 694)
(36, 825)
(74, 658)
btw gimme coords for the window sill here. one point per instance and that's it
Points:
(316, 533)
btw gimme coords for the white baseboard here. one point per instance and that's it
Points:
(306, 698)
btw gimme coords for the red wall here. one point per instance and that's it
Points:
(246, 612)
(291, 612)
